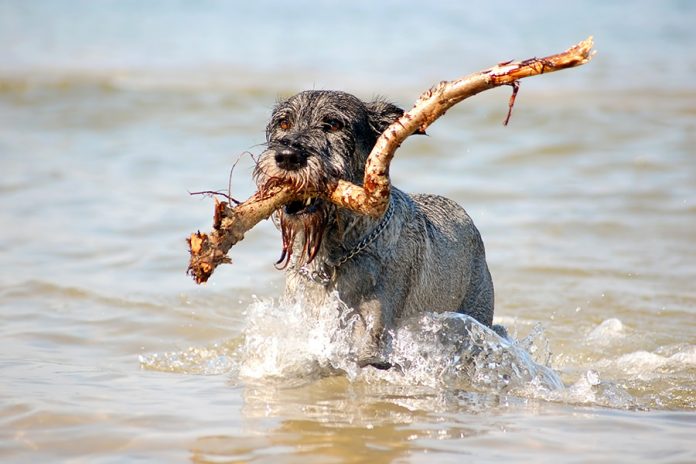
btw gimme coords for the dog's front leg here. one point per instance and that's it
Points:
(369, 333)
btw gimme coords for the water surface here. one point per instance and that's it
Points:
(111, 112)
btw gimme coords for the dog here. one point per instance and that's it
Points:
(423, 254)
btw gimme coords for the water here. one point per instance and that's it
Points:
(110, 112)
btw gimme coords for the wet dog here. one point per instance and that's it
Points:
(424, 254)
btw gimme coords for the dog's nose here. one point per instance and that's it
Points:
(290, 159)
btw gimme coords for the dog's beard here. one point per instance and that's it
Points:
(302, 222)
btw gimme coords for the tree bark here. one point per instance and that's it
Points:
(231, 223)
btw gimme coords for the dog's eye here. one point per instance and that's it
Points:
(332, 125)
(284, 124)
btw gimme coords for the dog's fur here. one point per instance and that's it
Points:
(429, 257)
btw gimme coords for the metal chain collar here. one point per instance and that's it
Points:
(326, 270)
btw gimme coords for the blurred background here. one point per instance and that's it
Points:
(111, 112)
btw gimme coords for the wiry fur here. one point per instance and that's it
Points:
(430, 257)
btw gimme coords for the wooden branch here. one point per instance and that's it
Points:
(231, 223)
(373, 196)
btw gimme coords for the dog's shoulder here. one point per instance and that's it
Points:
(438, 218)
(439, 209)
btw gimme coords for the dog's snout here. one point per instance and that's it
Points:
(290, 159)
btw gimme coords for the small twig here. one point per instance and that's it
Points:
(228, 196)
(214, 193)
(234, 165)
(515, 88)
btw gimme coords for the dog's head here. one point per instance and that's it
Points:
(314, 139)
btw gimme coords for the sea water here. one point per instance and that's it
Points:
(111, 112)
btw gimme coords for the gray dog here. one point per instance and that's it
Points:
(424, 254)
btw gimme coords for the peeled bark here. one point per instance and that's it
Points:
(231, 223)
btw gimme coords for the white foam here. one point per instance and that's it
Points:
(606, 332)
(590, 388)
(685, 358)
(644, 364)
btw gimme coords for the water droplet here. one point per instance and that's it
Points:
(592, 377)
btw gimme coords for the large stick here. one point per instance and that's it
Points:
(231, 223)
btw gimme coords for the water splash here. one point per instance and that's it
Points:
(294, 343)
(451, 349)
(290, 341)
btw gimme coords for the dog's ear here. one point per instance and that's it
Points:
(382, 114)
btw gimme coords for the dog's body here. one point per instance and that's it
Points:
(425, 254)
